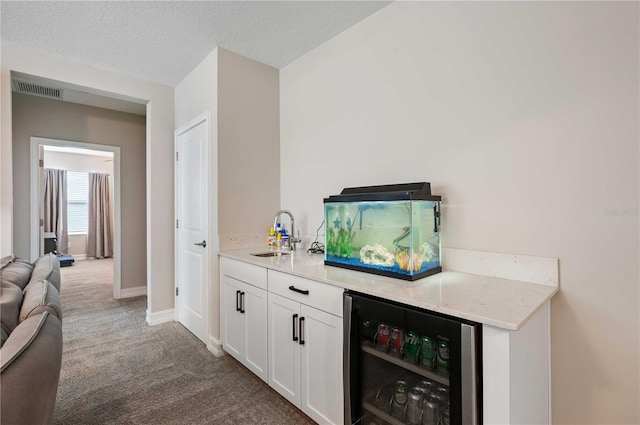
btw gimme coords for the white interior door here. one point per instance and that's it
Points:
(192, 228)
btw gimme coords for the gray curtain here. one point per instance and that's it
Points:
(100, 238)
(55, 206)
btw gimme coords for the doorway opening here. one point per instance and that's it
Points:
(78, 159)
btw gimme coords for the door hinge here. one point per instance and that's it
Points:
(176, 156)
(41, 163)
(41, 222)
(176, 291)
(176, 224)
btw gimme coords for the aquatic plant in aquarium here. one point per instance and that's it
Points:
(339, 241)
(391, 230)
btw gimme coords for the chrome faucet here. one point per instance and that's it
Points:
(292, 238)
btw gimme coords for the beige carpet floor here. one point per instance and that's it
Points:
(118, 370)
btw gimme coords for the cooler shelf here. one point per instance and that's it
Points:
(381, 414)
(406, 365)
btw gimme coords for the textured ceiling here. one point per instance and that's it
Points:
(162, 41)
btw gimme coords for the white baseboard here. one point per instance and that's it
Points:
(215, 347)
(79, 257)
(160, 317)
(137, 291)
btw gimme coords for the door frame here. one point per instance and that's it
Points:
(35, 201)
(205, 119)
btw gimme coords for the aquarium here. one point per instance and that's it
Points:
(390, 230)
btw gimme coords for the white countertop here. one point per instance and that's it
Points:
(505, 303)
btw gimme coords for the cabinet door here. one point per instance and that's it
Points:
(233, 322)
(284, 352)
(254, 304)
(321, 368)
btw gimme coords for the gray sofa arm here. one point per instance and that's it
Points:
(30, 361)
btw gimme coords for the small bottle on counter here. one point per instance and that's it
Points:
(271, 239)
(279, 240)
(285, 239)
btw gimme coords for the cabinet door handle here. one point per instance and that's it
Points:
(242, 302)
(295, 338)
(301, 291)
(302, 331)
(237, 300)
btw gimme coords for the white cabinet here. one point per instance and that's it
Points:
(321, 366)
(284, 347)
(515, 368)
(244, 314)
(305, 345)
(289, 335)
(233, 322)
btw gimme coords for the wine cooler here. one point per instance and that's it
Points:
(405, 365)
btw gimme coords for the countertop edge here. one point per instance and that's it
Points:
(544, 291)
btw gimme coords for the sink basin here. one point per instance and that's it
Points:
(270, 254)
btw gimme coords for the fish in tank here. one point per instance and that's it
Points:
(391, 230)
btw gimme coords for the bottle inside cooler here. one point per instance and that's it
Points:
(409, 366)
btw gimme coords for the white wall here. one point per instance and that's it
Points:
(194, 96)
(159, 146)
(248, 150)
(524, 117)
(82, 163)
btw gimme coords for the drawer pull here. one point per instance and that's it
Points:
(302, 291)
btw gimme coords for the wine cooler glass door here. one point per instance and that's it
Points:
(409, 366)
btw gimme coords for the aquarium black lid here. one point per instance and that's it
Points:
(388, 192)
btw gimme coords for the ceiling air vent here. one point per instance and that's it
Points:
(36, 89)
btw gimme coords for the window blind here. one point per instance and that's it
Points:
(77, 202)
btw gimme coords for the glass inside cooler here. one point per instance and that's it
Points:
(396, 395)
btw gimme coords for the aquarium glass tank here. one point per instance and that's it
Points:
(391, 230)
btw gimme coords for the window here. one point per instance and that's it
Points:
(77, 202)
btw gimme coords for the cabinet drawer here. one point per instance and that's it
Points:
(248, 273)
(322, 296)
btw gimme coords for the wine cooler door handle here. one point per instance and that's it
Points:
(469, 373)
(346, 359)
(242, 302)
(237, 300)
(293, 332)
(302, 331)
